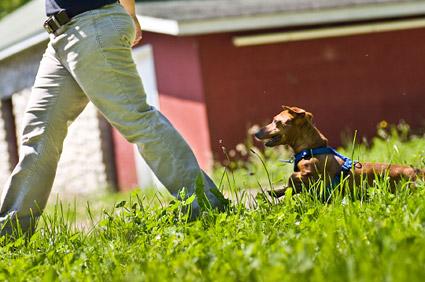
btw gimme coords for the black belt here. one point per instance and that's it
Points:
(56, 21)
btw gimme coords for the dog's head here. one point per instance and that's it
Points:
(284, 126)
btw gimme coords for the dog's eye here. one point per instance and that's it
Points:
(278, 122)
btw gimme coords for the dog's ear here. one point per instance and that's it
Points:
(309, 116)
(293, 110)
(301, 115)
(296, 110)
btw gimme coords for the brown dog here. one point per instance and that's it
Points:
(314, 160)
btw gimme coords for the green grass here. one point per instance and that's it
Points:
(375, 236)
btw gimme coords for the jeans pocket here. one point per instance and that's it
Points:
(124, 26)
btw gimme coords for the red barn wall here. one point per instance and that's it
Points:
(347, 82)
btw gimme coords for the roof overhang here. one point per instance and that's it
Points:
(23, 45)
(282, 19)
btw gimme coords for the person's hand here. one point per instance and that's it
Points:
(139, 33)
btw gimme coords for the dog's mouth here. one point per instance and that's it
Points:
(275, 140)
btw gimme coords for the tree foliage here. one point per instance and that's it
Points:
(7, 6)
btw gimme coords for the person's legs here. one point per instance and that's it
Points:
(100, 46)
(56, 100)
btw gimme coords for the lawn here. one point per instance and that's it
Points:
(370, 235)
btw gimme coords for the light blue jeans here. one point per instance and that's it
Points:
(90, 59)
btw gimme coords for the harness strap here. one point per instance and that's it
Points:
(308, 153)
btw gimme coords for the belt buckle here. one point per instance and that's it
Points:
(47, 26)
(51, 25)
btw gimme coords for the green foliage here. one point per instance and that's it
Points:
(7, 6)
(372, 235)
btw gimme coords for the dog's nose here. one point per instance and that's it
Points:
(259, 134)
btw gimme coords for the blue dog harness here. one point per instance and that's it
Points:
(308, 153)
